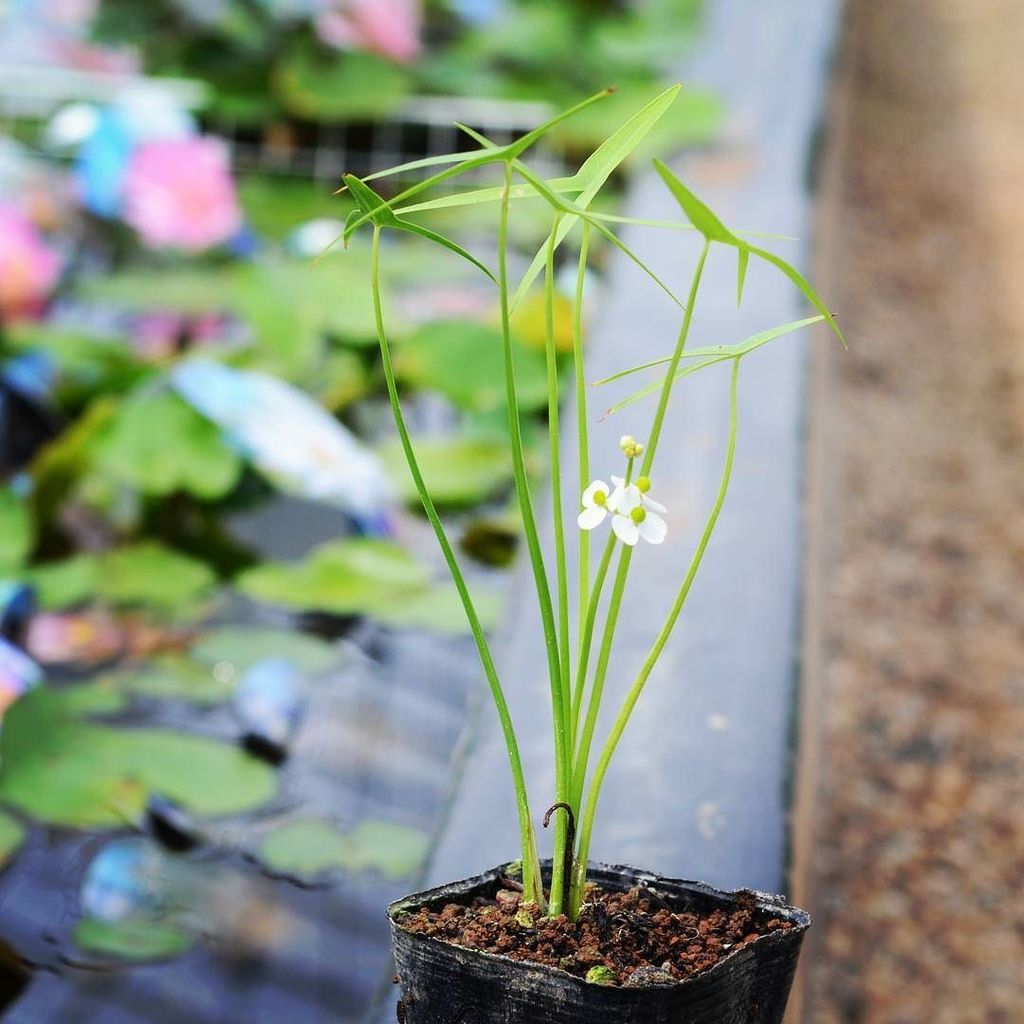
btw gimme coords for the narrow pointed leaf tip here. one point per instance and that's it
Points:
(383, 216)
(707, 222)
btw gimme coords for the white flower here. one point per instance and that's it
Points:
(630, 496)
(636, 513)
(630, 526)
(596, 502)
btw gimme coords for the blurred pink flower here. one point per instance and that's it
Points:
(28, 267)
(388, 27)
(178, 194)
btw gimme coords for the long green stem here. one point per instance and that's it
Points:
(582, 750)
(532, 885)
(591, 603)
(594, 793)
(558, 880)
(653, 437)
(600, 674)
(583, 462)
(554, 397)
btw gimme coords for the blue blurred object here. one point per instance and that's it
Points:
(143, 114)
(126, 880)
(18, 674)
(268, 705)
(479, 12)
(28, 417)
(18, 604)
(101, 163)
(288, 437)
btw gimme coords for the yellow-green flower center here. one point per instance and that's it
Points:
(638, 515)
(600, 497)
(643, 484)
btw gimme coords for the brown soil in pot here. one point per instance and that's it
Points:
(634, 934)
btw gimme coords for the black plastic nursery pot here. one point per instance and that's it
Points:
(442, 983)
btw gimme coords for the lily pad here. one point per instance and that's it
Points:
(309, 847)
(175, 677)
(346, 577)
(132, 940)
(304, 848)
(69, 771)
(339, 87)
(441, 611)
(241, 648)
(146, 574)
(465, 362)
(150, 574)
(12, 835)
(159, 445)
(16, 532)
(458, 471)
(67, 582)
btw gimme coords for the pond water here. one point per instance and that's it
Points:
(246, 927)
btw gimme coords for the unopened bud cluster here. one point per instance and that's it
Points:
(630, 446)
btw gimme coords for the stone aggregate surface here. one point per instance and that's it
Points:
(919, 862)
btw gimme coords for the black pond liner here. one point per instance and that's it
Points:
(445, 984)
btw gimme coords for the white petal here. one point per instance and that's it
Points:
(653, 529)
(618, 481)
(624, 499)
(625, 529)
(587, 501)
(591, 516)
(652, 504)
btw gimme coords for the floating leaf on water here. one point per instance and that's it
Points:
(458, 471)
(132, 940)
(151, 574)
(241, 647)
(140, 574)
(346, 577)
(12, 835)
(17, 534)
(464, 361)
(175, 677)
(159, 445)
(440, 610)
(96, 697)
(65, 770)
(396, 851)
(304, 848)
(67, 582)
(309, 847)
(339, 87)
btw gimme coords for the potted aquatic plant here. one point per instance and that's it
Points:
(566, 939)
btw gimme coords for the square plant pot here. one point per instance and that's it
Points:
(442, 983)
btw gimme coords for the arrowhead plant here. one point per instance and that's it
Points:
(626, 508)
